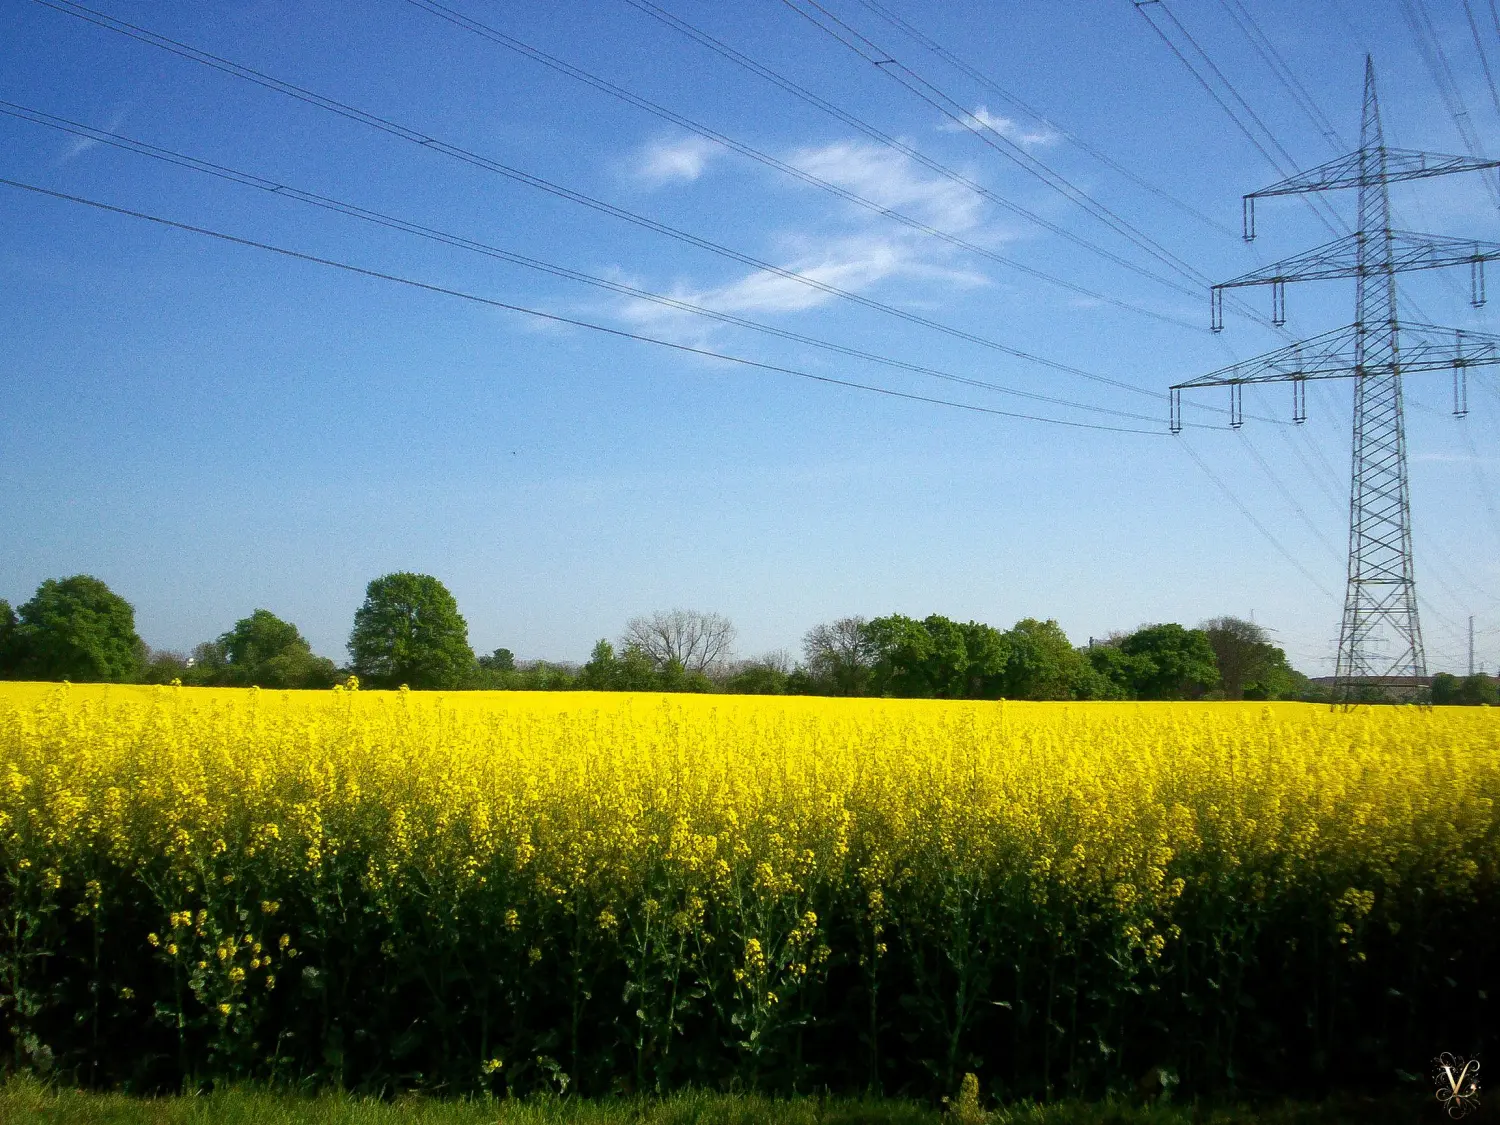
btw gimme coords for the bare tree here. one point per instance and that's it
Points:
(841, 654)
(778, 660)
(1242, 650)
(700, 642)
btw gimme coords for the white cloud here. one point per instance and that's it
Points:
(683, 160)
(892, 180)
(1011, 130)
(853, 263)
(850, 248)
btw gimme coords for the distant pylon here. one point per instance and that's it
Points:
(1380, 638)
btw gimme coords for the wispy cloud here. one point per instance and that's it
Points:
(77, 146)
(684, 160)
(855, 263)
(845, 246)
(892, 180)
(1010, 129)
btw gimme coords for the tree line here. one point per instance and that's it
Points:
(409, 631)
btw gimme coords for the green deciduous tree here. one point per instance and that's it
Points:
(1043, 664)
(1114, 667)
(902, 649)
(672, 676)
(764, 675)
(947, 665)
(635, 670)
(73, 629)
(409, 631)
(601, 671)
(8, 655)
(937, 658)
(262, 650)
(1470, 691)
(501, 660)
(163, 666)
(988, 654)
(1246, 658)
(1171, 662)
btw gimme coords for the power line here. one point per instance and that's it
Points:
(1481, 481)
(1489, 389)
(354, 211)
(899, 72)
(1250, 518)
(949, 107)
(1290, 81)
(1284, 164)
(1286, 494)
(1246, 22)
(466, 156)
(1013, 100)
(1435, 57)
(557, 318)
(1436, 566)
(1330, 491)
(1433, 565)
(1336, 138)
(557, 65)
(739, 58)
(1428, 607)
(1484, 58)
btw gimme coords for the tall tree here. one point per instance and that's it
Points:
(262, 650)
(947, 670)
(601, 673)
(1043, 664)
(1243, 652)
(1114, 668)
(8, 654)
(409, 631)
(163, 666)
(635, 670)
(839, 656)
(76, 629)
(1171, 662)
(698, 641)
(501, 660)
(988, 653)
(903, 650)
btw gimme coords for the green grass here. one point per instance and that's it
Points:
(24, 1101)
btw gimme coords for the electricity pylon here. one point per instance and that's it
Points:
(1380, 640)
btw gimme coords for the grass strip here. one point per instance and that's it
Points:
(26, 1101)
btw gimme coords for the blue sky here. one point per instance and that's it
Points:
(212, 428)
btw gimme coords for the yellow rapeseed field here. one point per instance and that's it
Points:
(665, 863)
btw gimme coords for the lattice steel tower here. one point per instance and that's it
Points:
(1380, 639)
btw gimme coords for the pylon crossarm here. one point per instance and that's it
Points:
(1400, 164)
(1340, 258)
(1329, 356)
(1424, 347)
(1431, 347)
